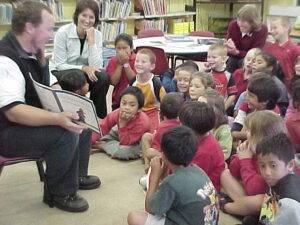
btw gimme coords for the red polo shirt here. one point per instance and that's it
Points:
(286, 55)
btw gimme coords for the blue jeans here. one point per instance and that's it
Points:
(66, 153)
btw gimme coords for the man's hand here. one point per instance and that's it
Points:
(65, 120)
(90, 71)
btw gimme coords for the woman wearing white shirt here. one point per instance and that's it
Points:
(79, 46)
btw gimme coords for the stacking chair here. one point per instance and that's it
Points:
(4, 161)
(150, 33)
(161, 65)
(196, 57)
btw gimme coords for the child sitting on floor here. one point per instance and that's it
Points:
(169, 109)
(74, 81)
(276, 163)
(200, 81)
(149, 84)
(221, 130)
(173, 199)
(209, 156)
(124, 142)
(242, 181)
(120, 68)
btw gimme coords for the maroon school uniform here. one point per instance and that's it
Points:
(240, 81)
(123, 82)
(224, 83)
(210, 157)
(256, 39)
(286, 56)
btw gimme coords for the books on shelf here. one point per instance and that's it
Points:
(111, 30)
(5, 13)
(114, 8)
(154, 7)
(55, 100)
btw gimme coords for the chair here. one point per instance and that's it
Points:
(200, 57)
(161, 65)
(4, 161)
(150, 33)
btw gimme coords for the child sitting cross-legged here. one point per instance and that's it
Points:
(187, 196)
(200, 81)
(242, 181)
(169, 109)
(209, 156)
(276, 163)
(131, 123)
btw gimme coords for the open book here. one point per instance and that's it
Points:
(64, 101)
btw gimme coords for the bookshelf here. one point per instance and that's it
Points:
(161, 14)
(216, 14)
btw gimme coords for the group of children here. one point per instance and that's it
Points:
(229, 125)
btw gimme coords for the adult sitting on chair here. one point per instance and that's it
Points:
(28, 130)
(244, 33)
(78, 45)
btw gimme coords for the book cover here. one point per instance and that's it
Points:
(55, 100)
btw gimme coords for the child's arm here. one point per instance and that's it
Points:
(157, 207)
(229, 101)
(253, 182)
(225, 140)
(109, 121)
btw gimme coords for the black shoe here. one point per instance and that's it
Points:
(69, 203)
(88, 182)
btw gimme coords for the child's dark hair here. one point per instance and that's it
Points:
(216, 100)
(272, 62)
(296, 93)
(135, 91)
(124, 37)
(197, 115)
(170, 105)
(178, 144)
(188, 63)
(278, 145)
(72, 80)
(264, 87)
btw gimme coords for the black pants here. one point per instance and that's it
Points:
(98, 90)
(66, 153)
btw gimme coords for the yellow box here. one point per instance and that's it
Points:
(192, 26)
(186, 27)
(176, 27)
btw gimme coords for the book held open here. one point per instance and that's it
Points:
(55, 100)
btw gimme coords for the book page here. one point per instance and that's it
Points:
(81, 106)
(47, 97)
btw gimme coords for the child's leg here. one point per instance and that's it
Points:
(231, 186)
(137, 218)
(244, 206)
(146, 144)
(126, 151)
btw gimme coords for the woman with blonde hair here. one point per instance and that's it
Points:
(244, 33)
(242, 181)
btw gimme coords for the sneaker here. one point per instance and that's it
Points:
(88, 182)
(69, 203)
(143, 181)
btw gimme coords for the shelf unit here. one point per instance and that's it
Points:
(176, 9)
(223, 19)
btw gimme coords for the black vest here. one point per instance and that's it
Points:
(10, 48)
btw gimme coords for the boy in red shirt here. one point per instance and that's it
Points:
(209, 155)
(284, 50)
(169, 109)
(120, 68)
(224, 82)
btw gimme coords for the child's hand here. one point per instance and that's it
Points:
(157, 167)
(122, 57)
(244, 150)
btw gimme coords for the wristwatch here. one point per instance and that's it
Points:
(126, 65)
